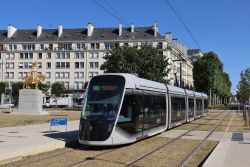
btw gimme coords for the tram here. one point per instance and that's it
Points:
(122, 108)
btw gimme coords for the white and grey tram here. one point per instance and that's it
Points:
(122, 108)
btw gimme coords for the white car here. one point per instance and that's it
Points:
(7, 105)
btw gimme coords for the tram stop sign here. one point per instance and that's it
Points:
(58, 122)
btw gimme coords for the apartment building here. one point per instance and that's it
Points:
(74, 56)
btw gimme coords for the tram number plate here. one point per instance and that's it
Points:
(58, 121)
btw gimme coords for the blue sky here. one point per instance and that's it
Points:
(222, 26)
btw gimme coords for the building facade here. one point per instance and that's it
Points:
(74, 56)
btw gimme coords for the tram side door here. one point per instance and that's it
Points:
(143, 114)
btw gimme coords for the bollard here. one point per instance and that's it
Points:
(245, 115)
(248, 117)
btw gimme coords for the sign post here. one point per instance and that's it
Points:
(58, 122)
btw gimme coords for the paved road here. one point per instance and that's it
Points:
(33, 139)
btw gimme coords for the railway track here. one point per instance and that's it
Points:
(133, 162)
(193, 151)
(97, 156)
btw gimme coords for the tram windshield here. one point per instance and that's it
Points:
(101, 106)
(103, 97)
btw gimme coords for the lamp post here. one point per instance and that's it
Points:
(180, 60)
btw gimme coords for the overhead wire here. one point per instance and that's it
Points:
(109, 12)
(184, 24)
(117, 13)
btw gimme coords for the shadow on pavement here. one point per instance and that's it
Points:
(70, 137)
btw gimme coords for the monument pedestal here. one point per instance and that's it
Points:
(30, 102)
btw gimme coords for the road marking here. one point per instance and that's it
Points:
(229, 124)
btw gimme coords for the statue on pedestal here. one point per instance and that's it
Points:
(31, 100)
(33, 78)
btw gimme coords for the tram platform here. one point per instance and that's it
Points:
(233, 150)
(20, 141)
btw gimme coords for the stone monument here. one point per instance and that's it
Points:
(31, 100)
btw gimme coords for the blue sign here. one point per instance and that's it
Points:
(58, 121)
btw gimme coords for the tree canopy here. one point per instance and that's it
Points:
(3, 86)
(147, 62)
(16, 86)
(244, 85)
(57, 89)
(208, 73)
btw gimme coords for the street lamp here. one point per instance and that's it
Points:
(180, 60)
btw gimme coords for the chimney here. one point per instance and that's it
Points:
(39, 30)
(132, 27)
(168, 36)
(60, 30)
(90, 29)
(175, 42)
(11, 30)
(155, 28)
(120, 28)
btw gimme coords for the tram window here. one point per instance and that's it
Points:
(127, 118)
(198, 106)
(142, 110)
(178, 109)
(205, 105)
(190, 107)
(153, 110)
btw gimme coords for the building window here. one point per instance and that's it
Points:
(79, 75)
(9, 65)
(29, 47)
(48, 55)
(94, 55)
(79, 64)
(10, 56)
(95, 46)
(63, 55)
(92, 74)
(48, 75)
(64, 46)
(62, 74)
(9, 75)
(159, 46)
(39, 65)
(93, 64)
(66, 85)
(42, 46)
(80, 46)
(78, 85)
(26, 56)
(48, 65)
(109, 46)
(12, 47)
(79, 55)
(50, 46)
(62, 64)
(40, 56)
(21, 75)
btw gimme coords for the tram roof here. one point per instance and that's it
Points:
(197, 94)
(176, 90)
(133, 82)
(204, 95)
(189, 92)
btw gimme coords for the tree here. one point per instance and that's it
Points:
(57, 89)
(244, 86)
(16, 86)
(147, 62)
(3, 86)
(209, 76)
